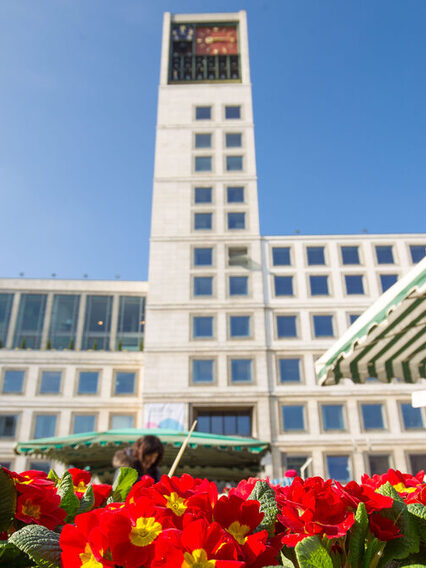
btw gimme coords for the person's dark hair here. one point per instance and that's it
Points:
(148, 445)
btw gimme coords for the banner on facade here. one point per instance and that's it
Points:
(170, 416)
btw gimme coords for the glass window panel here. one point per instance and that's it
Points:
(203, 423)
(236, 220)
(230, 424)
(63, 323)
(378, 464)
(203, 113)
(203, 163)
(332, 417)
(238, 256)
(217, 424)
(203, 257)
(286, 326)
(283, 285)
(417, 462)
(384, 254)
(40, 466)
(294, 462)
(13, 381)
(411, 417)
(239, 326)
(323, 326)
(29, 325)
(202, 194)
(234, 163)
(281, 256)
(97, 322)
(235, 194)
(387, 280)
(293, 418)
(338, 468)
(289, 370)
(125, 382)
(202, 370)
(50, 382)
(203, 285)
(418, 252)
(319, 285)
(131, 323)
(350, 255)
(203, 221)
(238, 285)
(6, 301)
(8, 423)
(241, 370)
(122, 421)
(354, 284)
(88, 382)
(202, 326)
(203, 140)
(232, 112)
(233, 140)
(45, 425)
(84, 423)
(315, 255)
(353, 318)
(243, 425)
(372, 416)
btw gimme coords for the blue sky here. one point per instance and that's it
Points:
(339, 91)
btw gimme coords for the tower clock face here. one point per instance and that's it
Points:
(216, 40)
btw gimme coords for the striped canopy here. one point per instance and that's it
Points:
(387, 341)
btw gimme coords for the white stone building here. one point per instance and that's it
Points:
(234, 321)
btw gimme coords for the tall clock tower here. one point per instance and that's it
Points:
(205, 350)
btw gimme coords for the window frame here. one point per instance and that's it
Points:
(135, 392)
(401, 417)
(34, 424)
(229, 276)
(197, 157)
(74, 415)
(229, 106)
(363, 282)
(40, 381)
(203, 229)
(231, 203)
(203, 266)
(384, 426)
(112, 414)
(24, 381)
(236, 357)
(226, 164)
(294, 404)
(231, 133)
(17, 415)
(250, 326)
(324, 251)
(194, 358)
(211, 337)
(359, 253)
(289, 357)
(333, 325)
(245, 217)
(278, 247)
(202, 296)
(202, 203)
(328, 280)
(410, 252)
(78, 371)
(339, 454)
(296, 326)
(382, 290)
(284, 278)
(376, 254)
(204, 106)
(325, 430)
(194, 142)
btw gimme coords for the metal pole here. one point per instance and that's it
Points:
(182, 449)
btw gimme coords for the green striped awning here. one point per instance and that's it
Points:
(387, 341)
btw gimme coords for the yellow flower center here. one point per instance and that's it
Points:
(176, 504)
(81, 487)
(197, 559)
(146, 531)
(88, 560)
(400, 487)
(239, 532)
(31, 510)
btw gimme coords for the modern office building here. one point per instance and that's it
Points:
(234, 320)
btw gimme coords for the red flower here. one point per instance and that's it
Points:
(245, 487)
(404, 483)
(418, 496)
(238, 517)
(34, 505)
(81, 479)
(139, 489)
(101, 492)
(383, 528)
(32, 477)
(352, 494)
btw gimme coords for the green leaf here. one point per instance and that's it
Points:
(286, 562)
(122, 485)
(87, 501)
(374, 546)
(357, 536)
(263, 493)
(7, 500)
(41, 545)
(389, 491)
(311, 554)
(12, 556)
(69, 500)
(418, 510)
(53, 476)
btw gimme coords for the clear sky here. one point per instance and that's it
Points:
(339, 92)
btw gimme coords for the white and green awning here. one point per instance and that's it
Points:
(387, 341)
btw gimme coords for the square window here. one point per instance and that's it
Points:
(203, 256)
(203, 140)
(293, 418)
(323, 326)
(315, 255)
(241, 370)
(378, 464)
(354, 284)
(384, 255)
(372, 416)
(281, 256)
(235, 194)
(203, 285)
(84, 423)
(232, 112)
(283, 285)
(239, 326)
(203, 221)
(203, 112)
(289, 369)
(88, 382)
(332, 417)
(319, 285)
(8, 423)
(418, 252)
(122, 421)
(411, 417)
(238, 256)
(234, 163)
(50, 382)
(125, 382)
(13, 382)
(40, 466)
(387, 280)
(353, 318)
(338, 468)
(233, 140)
(350, 255)
(295, 462)
(45, 425)
(202, 327)
(238, 285)
(286, 326)
(236, 221)
(203, 370)
(202, 195)
(203, 163)
(417, 462)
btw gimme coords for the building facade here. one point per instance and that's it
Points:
(234, 320)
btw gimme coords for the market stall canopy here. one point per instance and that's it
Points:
(221, 458)
(387, 341)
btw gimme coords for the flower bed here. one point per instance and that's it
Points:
(68, 522)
